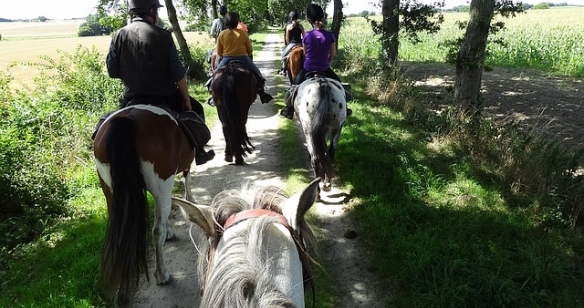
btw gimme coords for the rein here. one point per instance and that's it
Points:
(256, 213)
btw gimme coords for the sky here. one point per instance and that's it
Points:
(64, 9)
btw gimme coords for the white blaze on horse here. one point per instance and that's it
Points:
(321, 108)
(253, 253)
(137, 149)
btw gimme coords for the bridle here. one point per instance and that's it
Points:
(256, 213)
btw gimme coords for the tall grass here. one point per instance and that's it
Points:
(551, 40)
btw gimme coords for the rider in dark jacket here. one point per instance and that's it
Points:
(144, 57)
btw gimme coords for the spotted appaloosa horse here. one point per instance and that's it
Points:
(295, 63)
(321, 108)
(234, 88)
(254, 252)
(138, 148)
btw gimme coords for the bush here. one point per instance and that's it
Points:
(45, 137)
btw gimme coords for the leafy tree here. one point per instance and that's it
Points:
(541, 6)
(416, 17)
(93, 27)
(471, 55)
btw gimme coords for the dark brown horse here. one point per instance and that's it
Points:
(295, 62)
(234, 89)
(137, 149)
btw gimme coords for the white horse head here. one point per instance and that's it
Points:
(253, 252)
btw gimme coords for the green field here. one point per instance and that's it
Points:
(551, 40)
(24, 44)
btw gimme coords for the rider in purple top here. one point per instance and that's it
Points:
(317, 43)
(319, 50)
(319, 46)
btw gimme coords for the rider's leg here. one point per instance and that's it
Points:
(264, 97)
(288, 110)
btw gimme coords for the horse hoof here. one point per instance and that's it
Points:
(165, 281)
(239, 161)
(170, 235)
(228, 158)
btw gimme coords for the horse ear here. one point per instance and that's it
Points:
(201, 215)
(296, 206)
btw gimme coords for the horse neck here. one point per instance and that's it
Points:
(256, 264)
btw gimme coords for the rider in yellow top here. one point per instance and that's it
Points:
(234, 44)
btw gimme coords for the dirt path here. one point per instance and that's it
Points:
(356, 287)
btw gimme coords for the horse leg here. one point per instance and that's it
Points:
(161, 230)
(336, 135)
(228, 148)
(188, 193)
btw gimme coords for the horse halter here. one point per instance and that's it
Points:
(256, 213)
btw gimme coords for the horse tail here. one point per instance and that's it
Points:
(124, 255)
(234, 108)
(319, 128)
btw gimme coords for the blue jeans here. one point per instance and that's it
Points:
(245, 59)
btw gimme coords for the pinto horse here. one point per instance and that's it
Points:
(295, 62)
(322, 110)
(234, 89)
(255, 247)
(137, 149)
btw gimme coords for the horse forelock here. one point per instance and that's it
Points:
(243, 274)
(256, 265)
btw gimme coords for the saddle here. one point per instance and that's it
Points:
(192, 125)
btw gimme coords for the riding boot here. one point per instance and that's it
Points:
(265, 97)
(202, 156)
(288, 112)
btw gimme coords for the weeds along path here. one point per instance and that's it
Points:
(353, 283)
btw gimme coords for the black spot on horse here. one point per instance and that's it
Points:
(307, 104)
(338, 86)
(340, 105)
(309, 90)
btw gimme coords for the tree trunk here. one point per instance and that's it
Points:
(390, 32)
(337, 19)
(471, 58)
(214, 8)
(192, 70)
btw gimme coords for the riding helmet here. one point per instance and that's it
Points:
(293, 15)
(222, 10)
(314, 13)
(143, 4)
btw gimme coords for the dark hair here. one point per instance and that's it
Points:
(231, 20)
(293, 15)
(222, 10)
(314, 13)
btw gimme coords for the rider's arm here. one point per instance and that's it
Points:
(112, 61)
(184, 92)
(219, 47)
(248, 47)
(287, 35)
(332, 51)
(214, 31)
